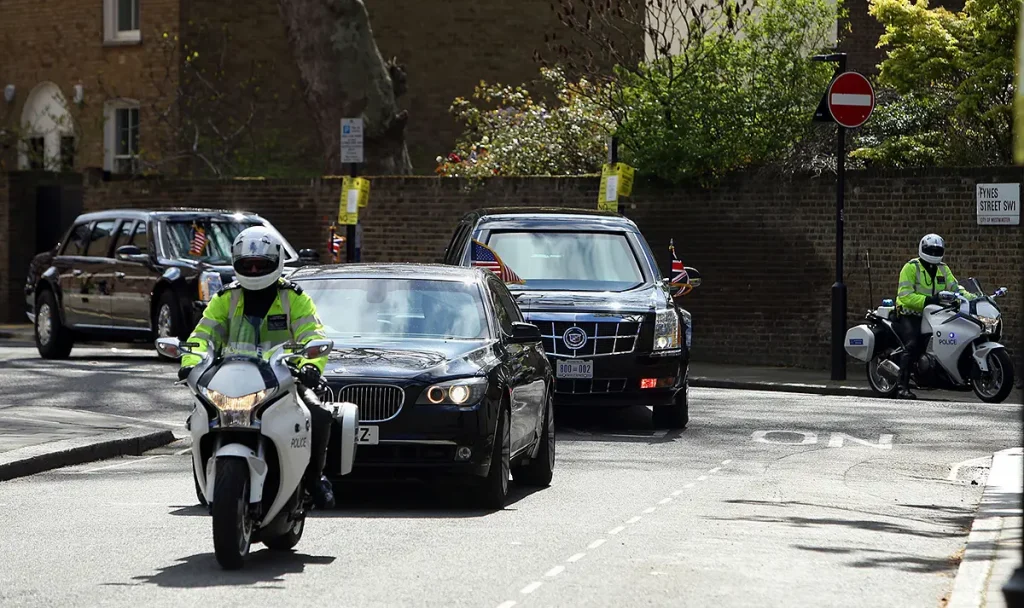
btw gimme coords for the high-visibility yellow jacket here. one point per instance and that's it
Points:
(916, 284)
(291, 318)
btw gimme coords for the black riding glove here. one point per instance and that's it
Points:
(929, 300)
(184, 372)
(309, 376)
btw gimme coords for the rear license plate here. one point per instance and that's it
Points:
(368, 435)
(575, 370)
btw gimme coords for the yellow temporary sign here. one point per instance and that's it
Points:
(616, 181)
(355, 193)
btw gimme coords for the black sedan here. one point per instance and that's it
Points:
(448, 377)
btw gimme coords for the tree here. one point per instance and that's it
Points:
(952, 78)
(345, 76)
(723, 86)
(509, 133)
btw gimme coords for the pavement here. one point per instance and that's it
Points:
(768, 498)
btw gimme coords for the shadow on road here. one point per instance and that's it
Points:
(609, 425)
(202, 570)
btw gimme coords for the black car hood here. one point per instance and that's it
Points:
(642, 299)
(408, 359)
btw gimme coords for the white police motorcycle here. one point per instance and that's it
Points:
(251, 445)
(963, 352)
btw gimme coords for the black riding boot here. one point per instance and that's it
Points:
(903, 392)
(320, 423)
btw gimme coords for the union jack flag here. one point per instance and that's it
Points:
(336, 243)
(485, 257)
(198, 240)
(678, 271)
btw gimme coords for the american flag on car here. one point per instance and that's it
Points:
(198, 240)
(485, 257)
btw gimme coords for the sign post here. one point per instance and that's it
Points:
(351, 153)
(848, 103)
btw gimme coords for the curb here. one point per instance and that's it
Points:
(980, 567)
(782, 387)
(36, 459)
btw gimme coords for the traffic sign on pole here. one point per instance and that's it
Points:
(851, 99)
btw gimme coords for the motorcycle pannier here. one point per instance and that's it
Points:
(860, 342)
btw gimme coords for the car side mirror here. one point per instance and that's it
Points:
(130, 253)
(309, 256)
(524, 333)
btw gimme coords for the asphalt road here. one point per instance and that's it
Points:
(767, 499)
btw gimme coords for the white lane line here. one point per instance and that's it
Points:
(185, 451)
(702, 478)
(727, 461)
(665, 501)
(531, 587)
(690, 485)
(715, 470)
(121, 464)
(677, 493)
(597, 543)
(575, 558)
(633, 520)
(616, 530)
(507, 604)
(649, 510)
(554, 571)
(954, 471)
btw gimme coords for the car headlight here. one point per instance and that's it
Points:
(667, 330)
(235, 411)
(209, 284)
(991, 324)
(454, 392)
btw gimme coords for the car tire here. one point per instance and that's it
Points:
(539, 471)
(492, 491)
(677, 415)
(167, 321)
(53, 339)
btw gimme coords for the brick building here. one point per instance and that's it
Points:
(95, 83)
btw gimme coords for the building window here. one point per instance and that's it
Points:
(121, 22)
(67, 153)
(37, 153)
(122, 137)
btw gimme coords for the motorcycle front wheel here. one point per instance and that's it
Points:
(878, 382)
(232, 522)
(993, 386)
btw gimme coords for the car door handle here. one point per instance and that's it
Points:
(120, 275)
(76, 272)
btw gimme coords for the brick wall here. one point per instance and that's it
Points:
(764, 247)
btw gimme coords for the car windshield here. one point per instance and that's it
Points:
(398, 308)
(577, 261)
(179, 236)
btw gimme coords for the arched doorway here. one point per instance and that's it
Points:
(48, 140)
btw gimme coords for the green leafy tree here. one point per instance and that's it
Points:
(951, 76)
(508, 132)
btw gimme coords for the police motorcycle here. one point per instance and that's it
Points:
(251, 445)
(963, 352)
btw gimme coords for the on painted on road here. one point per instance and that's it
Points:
(836, 439)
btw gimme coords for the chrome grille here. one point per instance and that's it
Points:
(604, 338)
(377, 402)
(591, 387)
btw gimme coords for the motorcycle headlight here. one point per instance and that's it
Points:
(455, 392)
(667, 331)
(235, 411)
(209, 284)
(991, 324)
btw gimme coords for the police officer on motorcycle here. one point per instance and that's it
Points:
(257, 313)
(924, 280)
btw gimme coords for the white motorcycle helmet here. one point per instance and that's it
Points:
(932, 248)
(257, 257)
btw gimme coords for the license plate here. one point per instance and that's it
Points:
(367, 435)
(575, 370)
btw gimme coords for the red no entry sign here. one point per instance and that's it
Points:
(851, 99)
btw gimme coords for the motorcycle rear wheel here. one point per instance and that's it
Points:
(1000, 373)
(878, 382)
(232, 523)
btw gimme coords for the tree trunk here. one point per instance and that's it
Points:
(344, 76)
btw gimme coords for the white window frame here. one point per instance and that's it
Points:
(110, 131)
(113, 36)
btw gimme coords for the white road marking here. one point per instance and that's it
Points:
(690, 485)
(121, 464)
(597, 543)
(954, 471)
(633, 520)
(850, 99)
(575, 558)
(185, 451)
(554, 571)
(531, 587)
(702, 478)
(664, 501)
(884, 441)
(715, 470)
(616, 530)
(649, 510)
(677, 493)
(507, 604)
(726, 461)
(809, 438)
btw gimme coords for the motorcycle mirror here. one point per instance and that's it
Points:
(170, 347)
(317, 348)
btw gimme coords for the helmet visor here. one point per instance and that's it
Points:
(933, 250)
(255, 266)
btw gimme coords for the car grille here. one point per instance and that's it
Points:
(604, 338)
(590, 387)
(377, 402)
